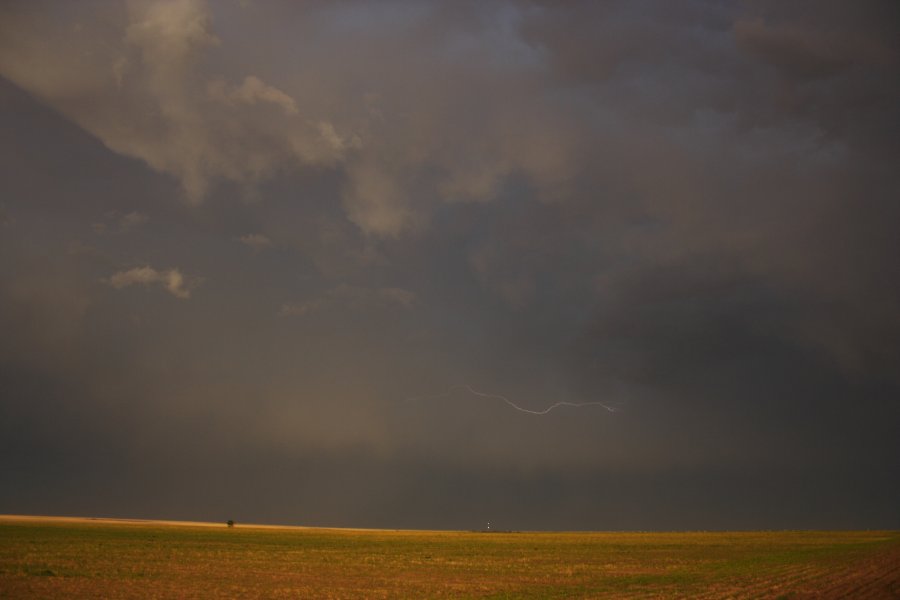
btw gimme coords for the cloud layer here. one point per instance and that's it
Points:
(686, 212)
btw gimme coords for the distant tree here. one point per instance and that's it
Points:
(230, 523)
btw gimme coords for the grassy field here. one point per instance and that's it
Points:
(53, 558)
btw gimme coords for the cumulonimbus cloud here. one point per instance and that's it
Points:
(171, 280)
(142, 83)
(678, 122)
(144, 94)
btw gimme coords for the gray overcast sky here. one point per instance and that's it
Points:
(255, 257)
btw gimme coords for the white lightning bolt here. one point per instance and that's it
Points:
(475, 392)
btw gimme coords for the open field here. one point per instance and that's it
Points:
(84, 558)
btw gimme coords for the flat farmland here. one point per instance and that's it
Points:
(85, 558)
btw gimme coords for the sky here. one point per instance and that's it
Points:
(432, 264)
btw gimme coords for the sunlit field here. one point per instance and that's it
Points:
(52, 558)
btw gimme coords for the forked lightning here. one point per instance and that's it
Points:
(475, 392)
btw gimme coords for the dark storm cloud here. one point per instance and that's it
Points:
(253, 246)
